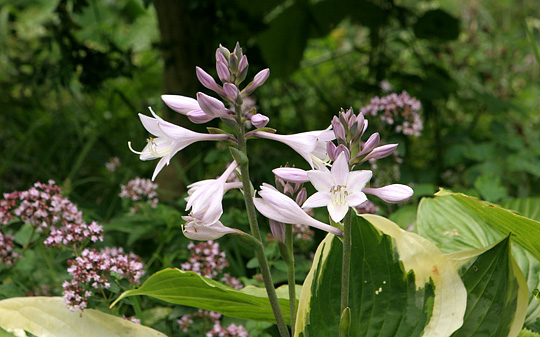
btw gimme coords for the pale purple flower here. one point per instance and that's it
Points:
(194, 230)
(259, 120)
(206, 259)
(338, 189)
(187, 106)
(291, 174)
(391, 193)
(279, 207)
(140, 189)
(170, 139)
(205, 196)
(258, 80)
(212, 107)
(208, 81)
(310, 145)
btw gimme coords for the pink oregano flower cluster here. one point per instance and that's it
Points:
(401, 111)
(44, 207)
(92, 270)
(7, 255)
(208, 260)
(204, 316)
(140, 190)
(333, 154)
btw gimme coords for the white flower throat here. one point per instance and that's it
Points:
(339, 195)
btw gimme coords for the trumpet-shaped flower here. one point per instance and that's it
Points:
(169, 140)
(310, 145)
(193, 230)
(279, 207)
(205, 196)
(338, 189)
(391, 193)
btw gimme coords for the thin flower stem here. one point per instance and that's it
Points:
(291, 280)
(255, 231)
(346, 266)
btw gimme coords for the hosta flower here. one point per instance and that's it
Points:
(338, 189)
(205, 196)
(391, 193)
(278, 207)
(194, 230)
(187, 106)
(170, 139)
(310, 145)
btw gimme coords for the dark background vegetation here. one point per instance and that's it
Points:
(74, 74)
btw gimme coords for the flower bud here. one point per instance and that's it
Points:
(301, 196)
(291, 174)
(370, 144)
(278, 230)
(381, 152)
(201, 232)
(391, 193)
(199, 117)
(258, 80)
(180, 104)
(208, 81)
(338, 128)
(259, 120)
(231, 91)
(224, 51)
(212, 106)
(223, 72)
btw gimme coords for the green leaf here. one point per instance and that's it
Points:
(490, 187)
(437, 24)
(525, 231)
(454, 227)
(529, 207)
(48, 316)
(190, 289)
(398, 280)
(285, 39)
(497, 292)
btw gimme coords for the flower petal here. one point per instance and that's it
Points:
(337, 211)
(358, 180)
(340, 170)
(207, 232)
(319, 199)
(321, 180)
(356, 199)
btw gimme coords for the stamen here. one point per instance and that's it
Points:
(339, 195)
(131, 148)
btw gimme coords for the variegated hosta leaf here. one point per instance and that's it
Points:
(454, 227)
(188, 288)
(497, 292)
(401, 285)
(49, 317)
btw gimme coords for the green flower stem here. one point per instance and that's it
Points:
(346, 267)
(255, 232)
(291, 280)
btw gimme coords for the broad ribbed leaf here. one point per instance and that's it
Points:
(49, 317)
(454, 227)
(497, 292)
(401, 285)
(525, 231)
(190, 289)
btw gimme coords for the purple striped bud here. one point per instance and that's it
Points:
(342, 148)
(258, 80)
(291, 174)
(278, 230)
(339, 129)
(259, 120)
(221, 57)
(231, 91)
(233, 62)
(180, 104)
(208, 81)
(301, 197)
(243, 64)
(199, 117)
(391, 193)
(370, 144)
(223, 72)
(381, 152)
(224, 51)
(212, 106)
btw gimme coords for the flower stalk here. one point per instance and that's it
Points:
(346, 266)
(254, 227)
(291, 279)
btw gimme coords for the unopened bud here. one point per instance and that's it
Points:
(208, 81)
(301, 196)
(278, 230)
(231, 91)
(223, 72)
(258, 80)
(338, 128)
(259, 120)
(212, 106)
(381, 152)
